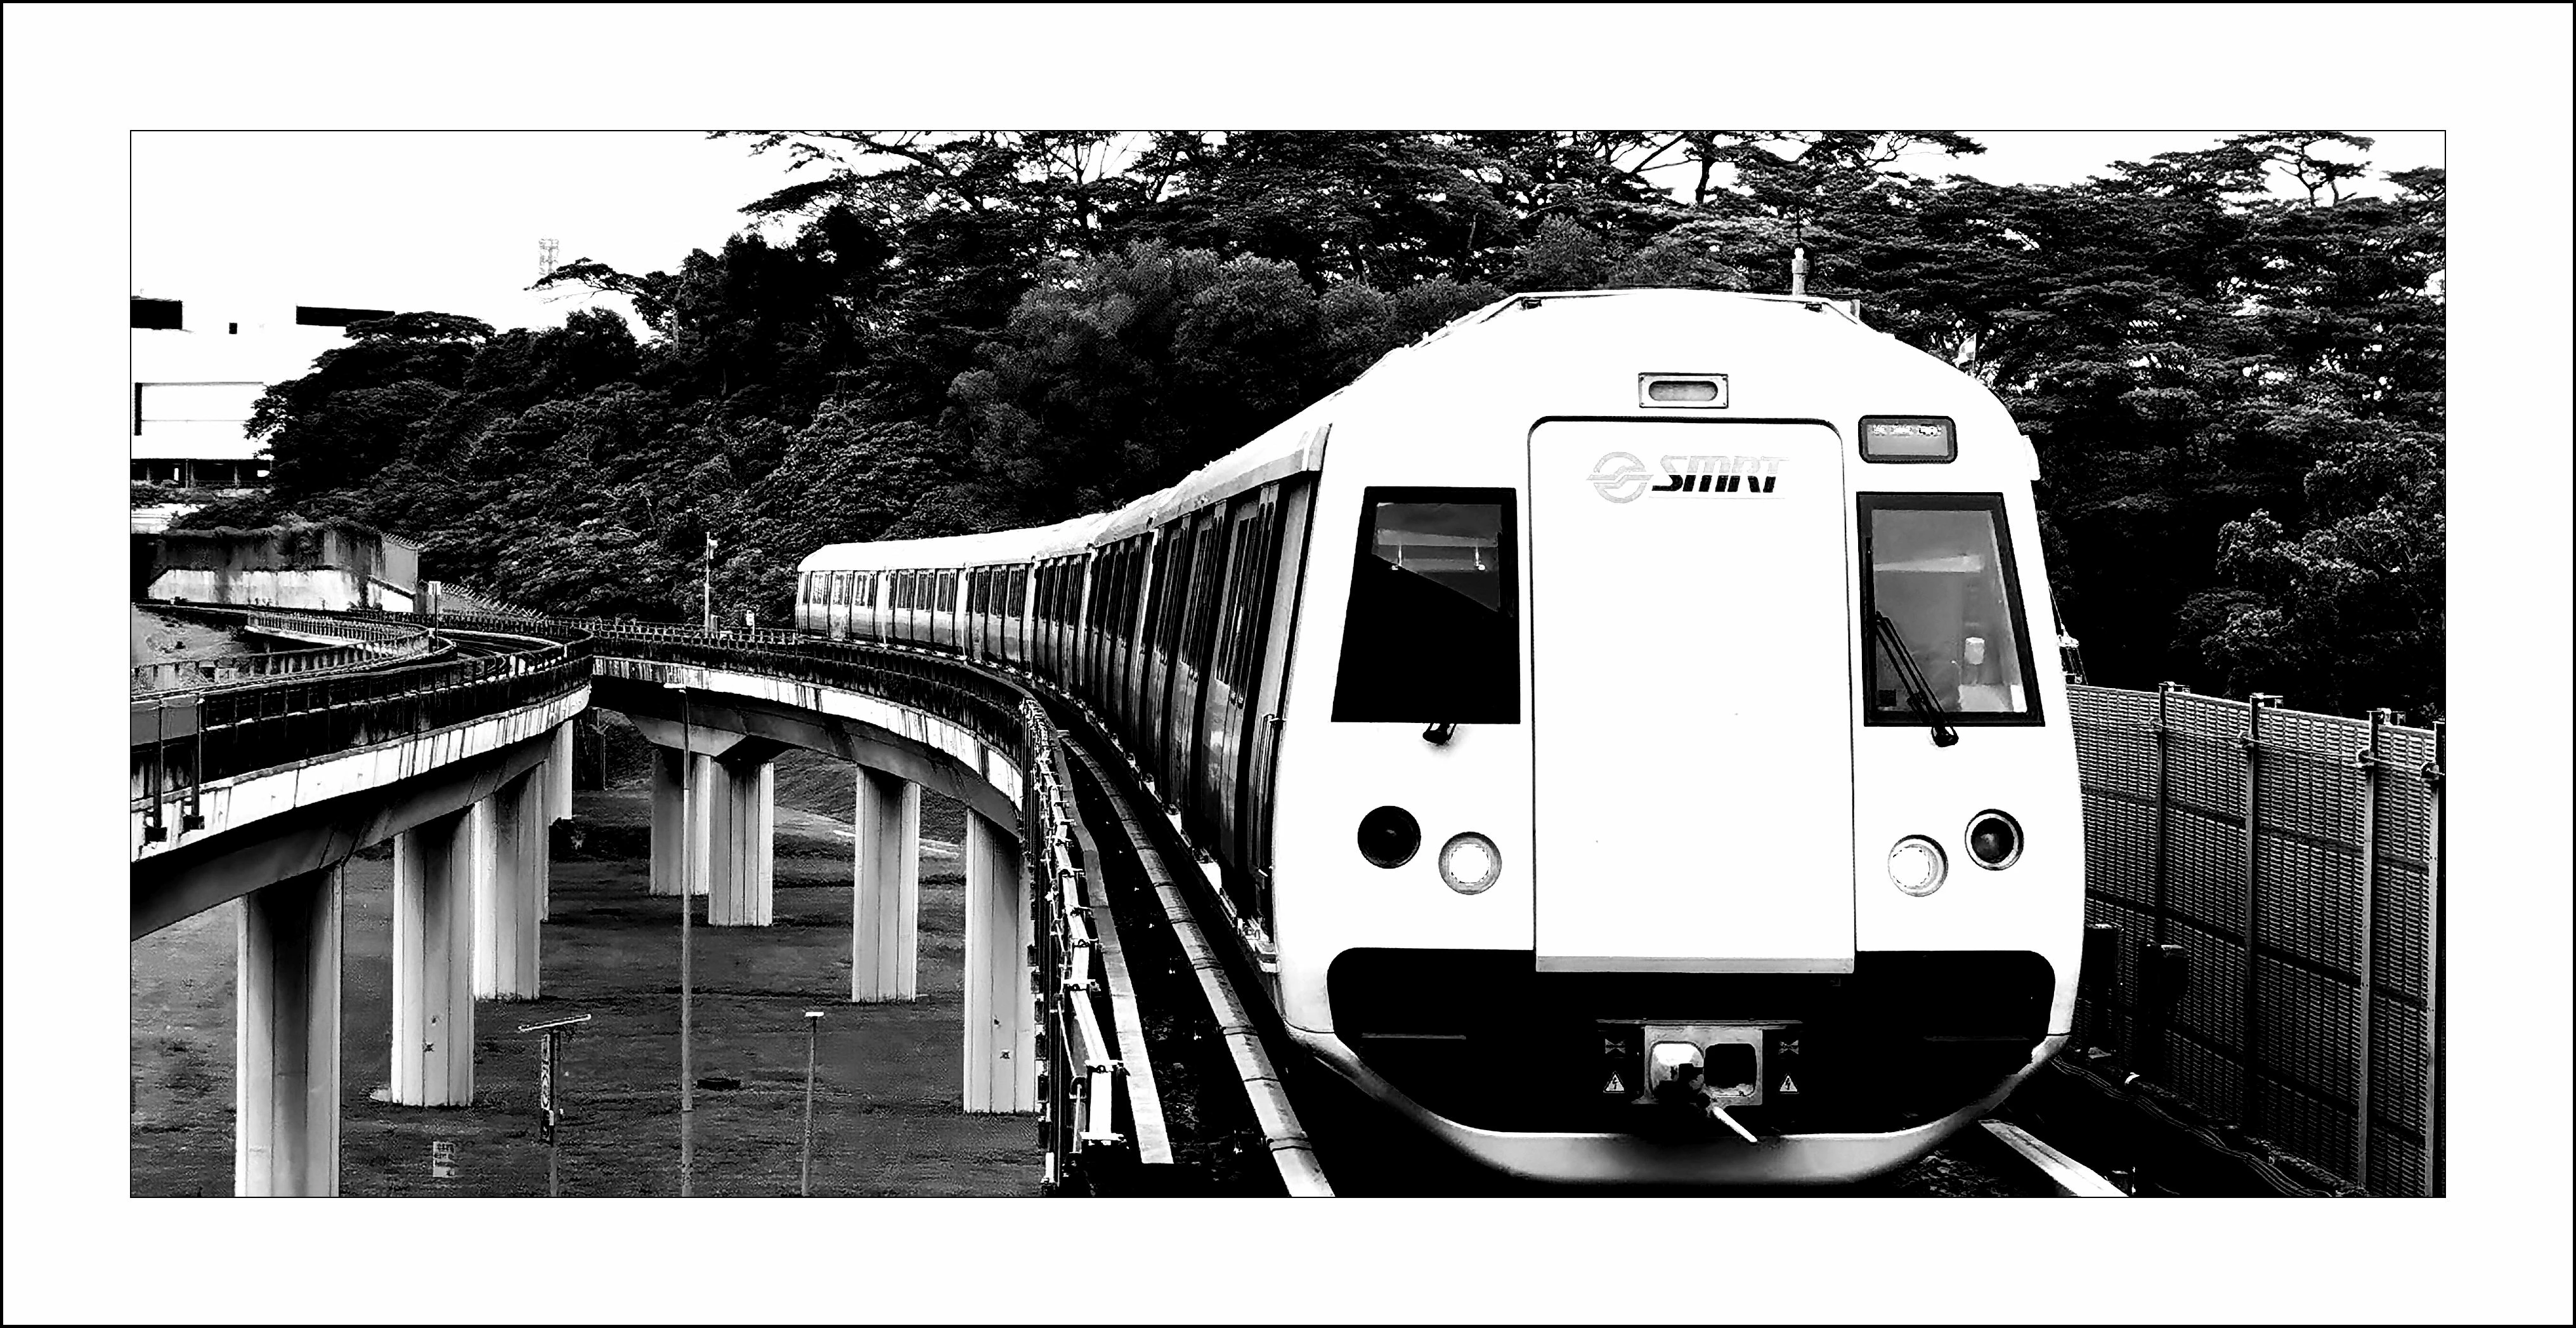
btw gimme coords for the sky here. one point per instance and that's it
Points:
(451, 221)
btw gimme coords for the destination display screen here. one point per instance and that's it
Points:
(1908, 438)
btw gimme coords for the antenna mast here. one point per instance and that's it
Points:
(546, 250)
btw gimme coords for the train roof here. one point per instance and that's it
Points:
(1001, 546)
(1298, 443)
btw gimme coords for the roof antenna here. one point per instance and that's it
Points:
(1797, 257)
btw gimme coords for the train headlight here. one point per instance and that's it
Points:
(1994, 840)
(1389, 835)
(1470, 862)
(1917, 866)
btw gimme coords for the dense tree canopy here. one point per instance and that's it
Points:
(2235, 388)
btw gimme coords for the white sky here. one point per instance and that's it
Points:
(450, 221)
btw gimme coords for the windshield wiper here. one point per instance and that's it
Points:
(1918, 693)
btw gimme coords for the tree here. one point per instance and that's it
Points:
(336, 426)
(2236, 397)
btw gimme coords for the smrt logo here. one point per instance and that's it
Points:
(1621, 478)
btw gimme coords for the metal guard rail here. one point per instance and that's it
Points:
(985, 705)
(371, 645)
(1080, 1072)
(180, 742)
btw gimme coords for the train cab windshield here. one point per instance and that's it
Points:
(1941, 571)
(1433, 632)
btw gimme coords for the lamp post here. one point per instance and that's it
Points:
(805, 1163)
(707, 589)
(688, 901)
(550, 1088)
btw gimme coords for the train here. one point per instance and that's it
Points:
(1609, 726)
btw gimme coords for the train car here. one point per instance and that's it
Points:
(1611, 726)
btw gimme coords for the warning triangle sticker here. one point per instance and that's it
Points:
(1788, 1085)
(1616, 1084)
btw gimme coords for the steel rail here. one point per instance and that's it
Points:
(1072, 997)
(1290, 1149)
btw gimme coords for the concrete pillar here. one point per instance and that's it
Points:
(286, 1039)
(433, 1043)
(509, 889)
(741, 825)
(885, 890)
(559, 772)
(558, 769)
(1001, 1027)
(669, 766)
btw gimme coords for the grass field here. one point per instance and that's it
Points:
(886, 1118)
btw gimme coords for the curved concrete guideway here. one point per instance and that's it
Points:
(467, 808)
(716, 735)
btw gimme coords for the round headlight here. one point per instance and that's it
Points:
(1388, 836)
(1994, 840)
(1916, 865)
(1470, 862)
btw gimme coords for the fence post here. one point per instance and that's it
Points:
(2435, 1184)
(2150, 1017)
(2368, 761)
(2255, 704)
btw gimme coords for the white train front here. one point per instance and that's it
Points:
(1618, 725)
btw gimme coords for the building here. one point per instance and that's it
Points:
(198, 372)
(333, 565)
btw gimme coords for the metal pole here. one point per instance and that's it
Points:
(805, 1162)
(688, 902)
(2147, 1017)
(554, 1137)
(550, 1089)
(2255, 704)
(2435, 1154)
(2361, 1066)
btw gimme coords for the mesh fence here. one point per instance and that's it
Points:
(2273, 880)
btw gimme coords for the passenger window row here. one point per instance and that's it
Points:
(1170, 635)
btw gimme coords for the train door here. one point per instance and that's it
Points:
(1042, 620)
(1227, 706)
(1122, 659)
(1046, 620)
(1094, 579)
(1190, 662)
(987, 641)
(1150, 553)
(1172, 558)
(1019, 646)
(840, 605)
(1293, 504)
(1690, 688)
